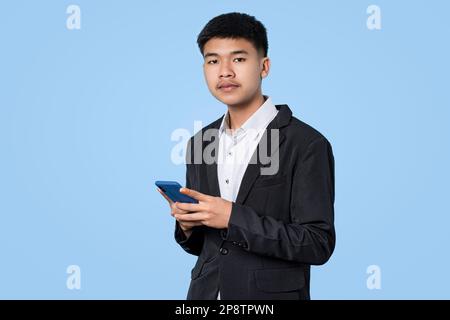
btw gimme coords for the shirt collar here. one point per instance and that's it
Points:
(257, 121)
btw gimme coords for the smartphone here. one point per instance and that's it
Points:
(172, 190)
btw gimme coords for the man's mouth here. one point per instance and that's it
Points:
(227, 87)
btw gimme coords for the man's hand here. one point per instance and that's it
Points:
(185, 226)
(210, 211)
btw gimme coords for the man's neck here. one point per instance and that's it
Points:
(238, 114)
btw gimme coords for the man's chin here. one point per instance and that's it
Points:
(230, 101)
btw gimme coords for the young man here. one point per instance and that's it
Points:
(258, 226)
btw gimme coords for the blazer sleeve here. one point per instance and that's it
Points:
(194, 243)
(309, 237)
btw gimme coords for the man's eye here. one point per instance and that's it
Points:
(240, 59)
(212, 61)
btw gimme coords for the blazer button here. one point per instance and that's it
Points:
(223, 251)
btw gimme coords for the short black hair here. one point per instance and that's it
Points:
(235, 25)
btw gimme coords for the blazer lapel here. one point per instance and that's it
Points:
(211, 172)
(253, 170)
(211, 169)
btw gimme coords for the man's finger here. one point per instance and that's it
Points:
(190, 217)
(194, 194)
(191, 224)
(175, 209)
(192, 207)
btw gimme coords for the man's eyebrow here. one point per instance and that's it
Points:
(210, 54)
(213, 54)
(239, 52)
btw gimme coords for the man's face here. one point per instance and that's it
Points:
(233, 70)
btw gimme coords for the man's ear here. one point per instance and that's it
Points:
(265, 67)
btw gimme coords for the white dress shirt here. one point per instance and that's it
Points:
(236, 149)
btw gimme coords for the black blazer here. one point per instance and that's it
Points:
(280, 224)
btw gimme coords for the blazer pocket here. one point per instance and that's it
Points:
(264, 181)
(280, 280)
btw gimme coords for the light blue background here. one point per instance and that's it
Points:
(86, 118)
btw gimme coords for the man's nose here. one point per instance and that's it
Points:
(225, 70)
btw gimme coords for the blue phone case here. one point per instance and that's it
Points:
(172, 190)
